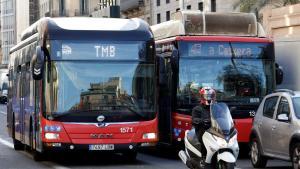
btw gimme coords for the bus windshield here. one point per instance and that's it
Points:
(240, 73)
(82, 90)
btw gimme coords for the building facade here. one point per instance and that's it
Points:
(0, 39)
(22, 17)
(283, 25)
(103, 8)
(157, 11)
(137, 9)
(69, 8)
(282, 22)
(34, 14)
(27, 12)
(8, 27)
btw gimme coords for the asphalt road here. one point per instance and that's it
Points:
(159, 159)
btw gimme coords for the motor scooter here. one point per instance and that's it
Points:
(220, 142)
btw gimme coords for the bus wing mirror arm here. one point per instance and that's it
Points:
(175, 58)
(279, 74)
(38, 64)
(162, 70)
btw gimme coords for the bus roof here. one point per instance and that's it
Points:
(197, 23)
(87, 28)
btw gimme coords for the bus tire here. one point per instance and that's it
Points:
(130, 156)
(17, 144)
(38, 156)
(31, 139)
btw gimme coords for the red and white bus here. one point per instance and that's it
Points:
(83, 84)
(227, 52)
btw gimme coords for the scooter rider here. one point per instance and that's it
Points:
(201, 114)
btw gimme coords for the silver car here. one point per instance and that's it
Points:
(276, 129)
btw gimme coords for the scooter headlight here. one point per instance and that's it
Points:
(232, 140)
(220, 141)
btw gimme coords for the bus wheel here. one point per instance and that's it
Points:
(38, 156)
(130, 156)
(17, 144)
(31, 139)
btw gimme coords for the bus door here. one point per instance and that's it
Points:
(164, 101)
(27, 108)
(37, 114)
(22, 101)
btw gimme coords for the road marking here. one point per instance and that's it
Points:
(53, 165)
(3, 113)
(6, 143)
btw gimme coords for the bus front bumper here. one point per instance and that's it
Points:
(56, 147)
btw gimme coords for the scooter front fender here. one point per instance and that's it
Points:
(226, 157)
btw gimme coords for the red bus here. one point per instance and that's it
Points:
(224, 51)
(83, 84)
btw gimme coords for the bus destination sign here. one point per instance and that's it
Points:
(98, 51)
(225, 49)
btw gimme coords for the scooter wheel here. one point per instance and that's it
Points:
(225, 165)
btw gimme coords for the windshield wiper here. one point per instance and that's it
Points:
(55, 115)
(129, 106)
(233, 56)
(117, 107)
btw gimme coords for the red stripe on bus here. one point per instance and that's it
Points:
(243, 127)
(224, 39)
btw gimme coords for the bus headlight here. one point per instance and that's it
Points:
(51, 136)
(149, 136)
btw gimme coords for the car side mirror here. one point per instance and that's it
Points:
(279, 74)
(283, 118)
(38, 64)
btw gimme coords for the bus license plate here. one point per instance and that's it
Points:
(102, 147)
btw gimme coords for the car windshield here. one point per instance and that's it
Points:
(296, 102)
(120, 91)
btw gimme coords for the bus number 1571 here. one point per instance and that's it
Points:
(126, 130)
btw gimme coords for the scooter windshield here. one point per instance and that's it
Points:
(221, 120)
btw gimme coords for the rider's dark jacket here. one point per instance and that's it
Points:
(201, 121)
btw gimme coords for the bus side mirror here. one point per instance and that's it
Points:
(38, 64)
(158, 50)
(175, 58)
(279, 74)
(162, 70)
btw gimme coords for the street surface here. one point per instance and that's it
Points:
(11, 159)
